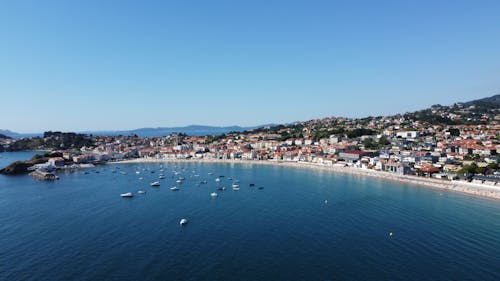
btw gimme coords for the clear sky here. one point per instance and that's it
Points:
(104, 65)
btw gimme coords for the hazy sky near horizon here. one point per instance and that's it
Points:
(109, 65)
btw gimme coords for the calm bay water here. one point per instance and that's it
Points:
(78, 228)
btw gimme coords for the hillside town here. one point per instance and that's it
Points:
(465, 146)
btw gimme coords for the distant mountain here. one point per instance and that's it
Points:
(2, 136)
(18, 135)
(192, 130)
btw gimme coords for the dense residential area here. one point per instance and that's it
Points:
(461, 141)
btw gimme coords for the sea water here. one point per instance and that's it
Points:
(301, 225)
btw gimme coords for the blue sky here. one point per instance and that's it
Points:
(103, 65)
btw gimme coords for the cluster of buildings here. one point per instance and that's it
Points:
(429, 151)
(401, 144)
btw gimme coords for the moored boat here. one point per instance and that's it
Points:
(128, 194)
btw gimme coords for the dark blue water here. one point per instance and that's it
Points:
(78, 228)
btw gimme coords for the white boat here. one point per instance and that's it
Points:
(174, 188)
(137, 172)
(155, 183)
(183, 222)
(123, 173)
(161, 177)
(217, 180)
(178, 181)
(236, 187)
(128, 194)
(141, 191)
(213, 194)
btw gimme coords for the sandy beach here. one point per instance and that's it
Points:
(474, 189)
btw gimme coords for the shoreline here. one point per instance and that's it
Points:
(474, 189)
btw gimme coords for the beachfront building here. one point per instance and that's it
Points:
(352, 156)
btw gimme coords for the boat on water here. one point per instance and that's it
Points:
(217, 179)
(251, 184)
(261, 187)
(174, 188)
(128, 194)
(213, 194)
(141, 191)
(183, 222)
(137, 172)
(236, 187)
(210, 173)
(123, 173)
(221, 188)
(203, 182)
(161, 177)
(178, 181)
(155, 183)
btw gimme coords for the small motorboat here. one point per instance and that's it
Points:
(183, 222)
(161, 177)
(217, 179)
(174, 188)
(221, 188)
(155, 183)
(261, 187)
(141, 192)
(252, 184)
(128, 194)
(236, 187)
(123, 173)
(213, 194)
(178, 181)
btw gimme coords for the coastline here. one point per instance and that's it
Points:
(474, 189)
